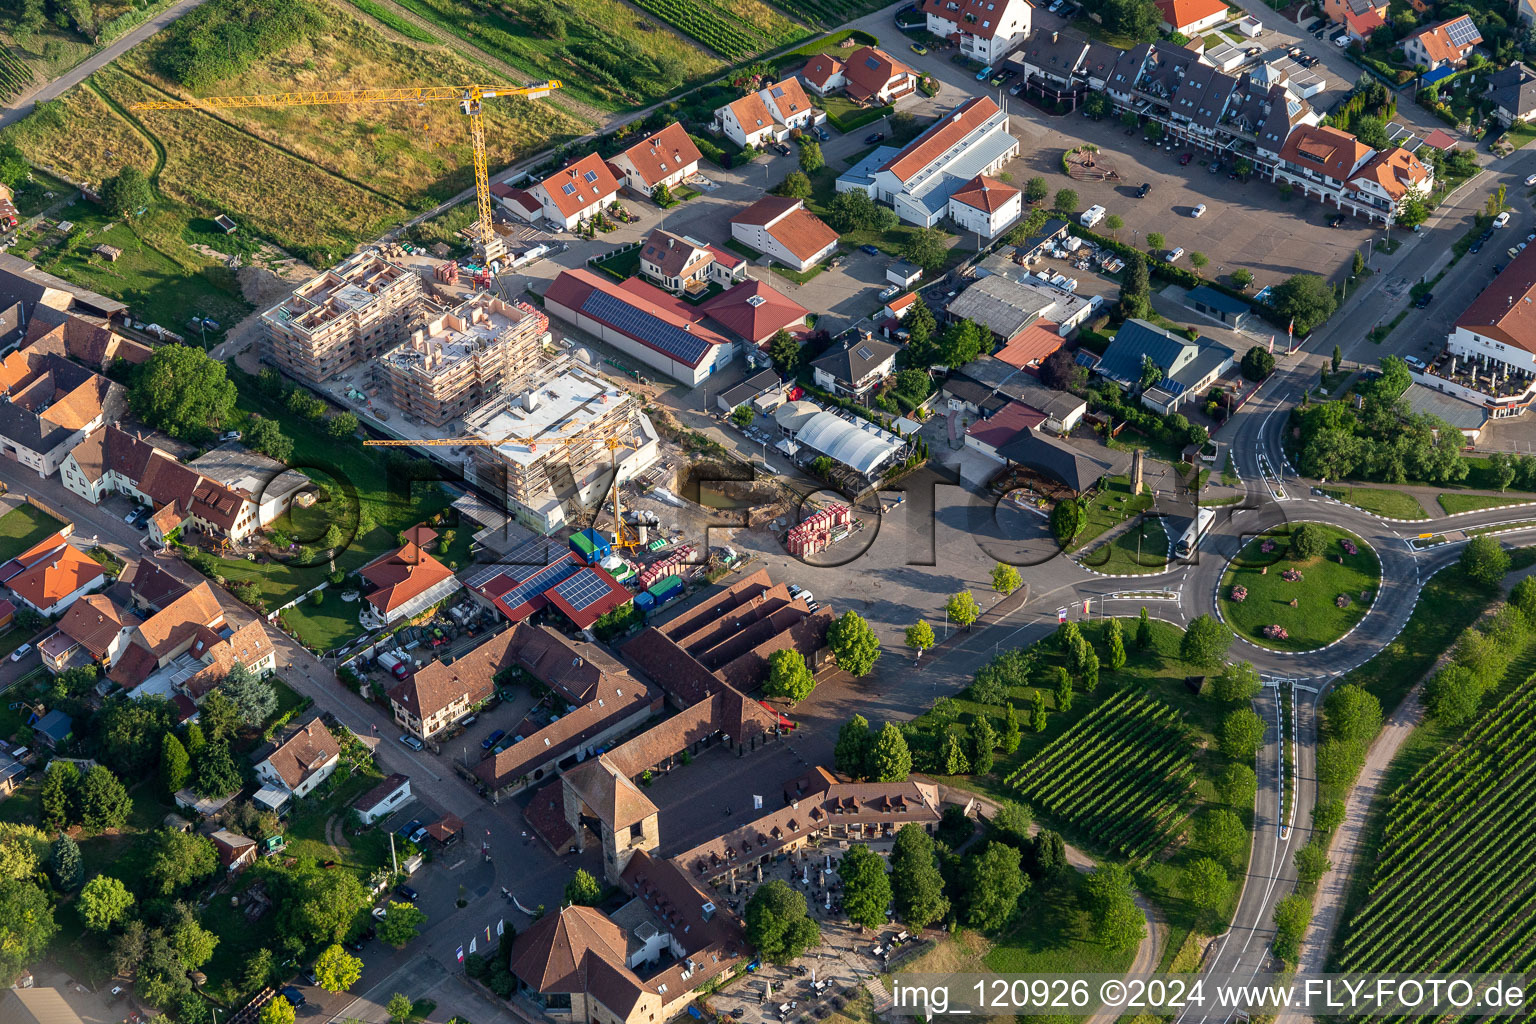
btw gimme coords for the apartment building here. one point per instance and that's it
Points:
(462, 359)
(1337, 168)
(352, 313)
(542, 478)
(48, 404)
(986, 30)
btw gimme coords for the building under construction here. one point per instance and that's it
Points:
(544, 478)
(347, 315)
(464, 358)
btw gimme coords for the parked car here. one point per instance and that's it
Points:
(1513, 252)
(1198, 211)
(1476, 246)
(1018, 87)
(1424, 300)
(920, 49)
(406, 892)
(1185, 158)
(294, 996)
(468, 720)
(874, 137)
(822, 134)
(379, 913)
(1342, 42)
(869, 249)
(984, 73)
(1214, 167)
(889, 291)
(490, 741)
(1146, 187)
(231, 435)
(1530, 180)
(1009, 73)
(1173, 254)
(410, 741)
(1501, 220)
(21, 652)
(1414, 361)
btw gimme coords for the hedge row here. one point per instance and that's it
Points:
(868, 115)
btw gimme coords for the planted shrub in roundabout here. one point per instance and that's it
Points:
(1300, 587)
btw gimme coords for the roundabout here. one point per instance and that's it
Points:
(1299, 587)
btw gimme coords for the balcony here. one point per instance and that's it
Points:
(1498, 381)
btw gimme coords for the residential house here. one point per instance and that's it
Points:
(869, 75)
(788, 104)
(855, 370)
(748, 122)
(384, 799)
(784, 229)
(1513, 93)
(986, 30)
(48, 404)
(406, 582)
(51, 331)
(236, 852)
(641, 321)
(1192, 17)
(1446, 44)
(94, 631)
(1359, 17)
(754, 312)
(1527, 12)
(664, 158)
(1338, 168)
(1186, 368)
(187, 648)
(439, 693)
(986, 206)
(301, 759)
(572, 195)
(681, 264)
(52, 575)
(219, 652)
(988, 435)
(919, 179)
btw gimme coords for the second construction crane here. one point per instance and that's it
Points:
(470, 98)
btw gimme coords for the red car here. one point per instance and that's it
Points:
(1185, 159)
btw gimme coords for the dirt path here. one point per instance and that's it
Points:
(336, 835)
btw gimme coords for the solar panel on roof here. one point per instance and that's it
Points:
(870, 62)
(583, 590)
(865, 353)
(778, 91)
(637, 323)
(483, 575)
(540, 581)
(590, 175)
(1462, 32)
(568, 189)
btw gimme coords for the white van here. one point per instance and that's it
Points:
(1092, 216)
(1414, 362)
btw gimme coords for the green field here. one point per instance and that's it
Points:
(1380, 500)
(22, 527)
(1111, 505)
(1317, 619)
(1138, 551)
(1454, 503)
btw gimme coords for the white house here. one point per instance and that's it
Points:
(384, 799)
(679, 263)
(301, 760)
(571, 195)
(1493, 344)
(788, 104)
(856, 369)
(918, 180)
(665, 158)
(986, 206)
(748, 121)
(1335, 167)
(784, 229)
(869, 75)
(1448, 43)
(986, 30)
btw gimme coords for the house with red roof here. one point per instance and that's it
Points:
(665, 158)
(986, 206)
(406, 582)
(1335, 167)
(1191, 17)
(754, 312)
(869, 75)
(1359, 17)
(57, 577)
(986, 30)
(783, 228)
(767, 115)
(681, 264)
(1448, 43)
(572, 195)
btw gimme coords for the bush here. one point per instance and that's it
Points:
(1258, 363)
(1307, 541)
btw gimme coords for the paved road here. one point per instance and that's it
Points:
(22, 105)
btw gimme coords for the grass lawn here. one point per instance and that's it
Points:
(824, 190)
(22, 527)
(620, 264)
(1381, 501)
(1454, 503)
(1124, 556)
(799, 276)
(1316, 620)
(1110, 506)
(1501, 528)
(848, 116)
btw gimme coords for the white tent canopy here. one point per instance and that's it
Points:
(863, 448)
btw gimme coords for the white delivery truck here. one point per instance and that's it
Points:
(1092, 216)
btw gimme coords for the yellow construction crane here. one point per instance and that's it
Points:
(624, 538)
(469, 98)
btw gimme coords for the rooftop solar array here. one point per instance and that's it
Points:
(583, 590)
(541, 581)
(483, 575)
(666, 338)
(1462, 32)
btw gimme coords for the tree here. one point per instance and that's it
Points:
(60, 782)
(341, 426)
(182, 390)
(1501, 466)
(811, 159)
(1414, 211)
(855, 742)
(255, 698)
(1136, 289)
(1011, 824)
(103, 902)
(127, 193)
(1143, 631)
(1372, 131)
(277, 1011)
(1067, 520)
(1037, 711)
(1484, 560)
(1114, 222)
(920, 321)
(1117, 922)
(1292, 914)
(920, 636)
(963, 609)
(1241, 733)
(26, 925)
(194, 944)
(1063, 690)
(926, 248)
(853, 644)
(1036, 189)
(400, 1008)
(1206, 883)
(1050, 853)
(742, 415)
(103, 801)
(1096, 105)
(1199, 259)
(788, 676)
(1012, 734)
(1220, 833)
(1257, 363)
(784, 350)
(1005, 578)
(175, 767)
(64, 864)
(1061, 371)
(1066, 201)
(178, 859)
(1305, 298)
(1453, 695)
(259, 971)
(983, 742)
(1307, 541)
(917, 888)
(401, 923)
(866, 887)
(1238, 681)
(265, 435)
(890, 760)
(1328, 815)
(1155, 240)
(961, 342)
(319, 906)
(1242, 277)
(1352, 714)
(583, 890)
(1311, 863)
(216, 773)
(219, 717)
(1114, 639)
(1237, 784)
(336, 970)
(993, 883)
(661, 195)
(1205, 642)
(952, 759)
(795, 185)
(777, 923)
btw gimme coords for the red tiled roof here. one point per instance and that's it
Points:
(901, 302)
(1031, 346)
(1506, 310)
(307, 750)
(663, 154)
(974, 17)
(1180, 13)
(754, 310)
(870, 69)
(436, 685)
(787, 96)
(767, 210)
(579, 185)
(1364, 24)
(751, 113)
(1395, 170)
(1006, 424)
(56, 577)
(402, 576)
(820, 69)
(94, 621)
(985, 194)
(1440, 139)
(551, 954)
(803, 233)
(1436, 40)
(1329, 150)
(572, 288)
(943, 135)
